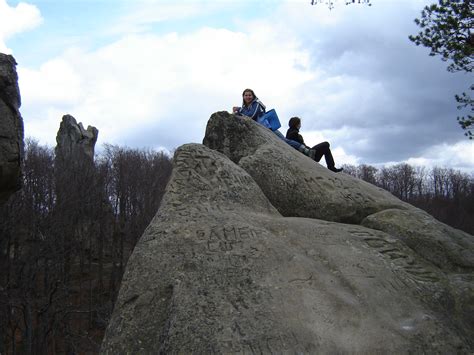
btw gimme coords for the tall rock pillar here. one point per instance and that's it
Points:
(11, 128)
(74, 160)
(74, 143)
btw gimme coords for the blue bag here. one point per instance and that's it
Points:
(270, 120)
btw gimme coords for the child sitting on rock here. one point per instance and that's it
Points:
(320, 149)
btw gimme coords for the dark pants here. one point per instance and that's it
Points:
(323, 149)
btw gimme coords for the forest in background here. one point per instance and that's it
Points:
(65, 240)
(67, 235)
(447, 194)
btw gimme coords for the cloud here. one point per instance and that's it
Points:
(148, 89)
(351, 74)
(375, 93)
(56, 83)
(15, 20)
(149, 13)
(459, 156)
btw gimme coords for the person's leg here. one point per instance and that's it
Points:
(279, 134)
(298, 146)
(301, 147)
(323, 149)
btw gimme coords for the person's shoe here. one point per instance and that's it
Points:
(336, 170)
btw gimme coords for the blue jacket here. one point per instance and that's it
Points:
(254, 111)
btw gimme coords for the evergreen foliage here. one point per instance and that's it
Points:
(446, 28)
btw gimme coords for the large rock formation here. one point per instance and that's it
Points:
(74, 142)
(294, 184)
(298, 187)
(231, 263)
(74, 162)
(11, 128)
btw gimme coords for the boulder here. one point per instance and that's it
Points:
(448, 248)
(296, 185)
(221, 269)
(11, 128)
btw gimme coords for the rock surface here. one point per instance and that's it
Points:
(442, 245)
(226, 267)
(11, 128)
(75, 142)
(294, 184)
(299, 187)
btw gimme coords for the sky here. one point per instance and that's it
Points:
(149, 73)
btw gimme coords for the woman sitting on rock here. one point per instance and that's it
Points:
(319, 149)
(252, 107)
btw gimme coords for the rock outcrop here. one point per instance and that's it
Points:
(74, 162)
(250, 255)
(74, 142)
(298, 187)
(11, 128)
(293, 183)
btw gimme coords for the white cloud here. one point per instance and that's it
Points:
(56, 82)
(341, 157)
(353, 79)
(458, 156)
(169, 82)
(141, 18)
(15, 20)
(45, 129)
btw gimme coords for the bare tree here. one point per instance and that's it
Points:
(367, 173)
(59, 277)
